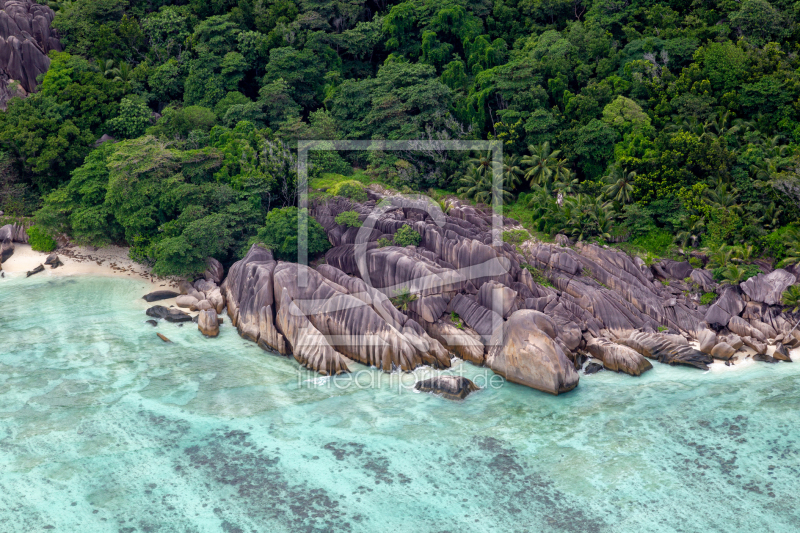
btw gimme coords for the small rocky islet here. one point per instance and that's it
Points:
(475, 298)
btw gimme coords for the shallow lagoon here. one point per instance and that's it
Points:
(105, 428)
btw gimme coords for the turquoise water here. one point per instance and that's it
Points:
(105, 428)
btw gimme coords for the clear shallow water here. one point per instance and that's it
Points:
(105, 428)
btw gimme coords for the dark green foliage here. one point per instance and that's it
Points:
(666, 125)
(178, 122)
(132, 120)
(349, 219)
(281, 231)
(39, 240)
(407, 236)
(383, 242)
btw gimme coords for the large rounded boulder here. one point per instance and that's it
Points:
(523, 353)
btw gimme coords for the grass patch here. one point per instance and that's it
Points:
(537, 275)
(708, 298)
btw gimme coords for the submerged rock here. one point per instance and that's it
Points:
(451, 387)
(522, 353)
(151, 322)
(159, 295)
(764, 358)
(592, 368)
(36, 270)
(168, 314)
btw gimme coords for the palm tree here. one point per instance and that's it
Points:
(691, 235)
(771, 219)
(620, 185)
(721, 198)
(719, 257)
(719, 127)
(567, 184)
(682, 123)
(541, 163)
(483, 163)
(402, 298)
(511, 172)
(791, 298)
(733, 275)
(743, 254)
(481, 188)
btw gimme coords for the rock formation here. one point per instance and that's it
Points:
(168, 314)
(214, 271)
(36, 270)
(475, 297)
(768, 288)
(618, 357)
(155, 296)
(25, 40)
(53, 261)
(522, 353)
(207, 323)
(655, 346)
(451, 387)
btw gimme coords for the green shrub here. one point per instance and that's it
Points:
(280, 233)
(774, 243)
(695, 262)
(327, 161)
(350, 189)
(39, 240)
(349, 219)
(656, 241)
(662, 329)
(749, 271)
(708, 298)
(407, 236)
(383, 242)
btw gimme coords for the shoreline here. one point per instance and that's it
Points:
(112, 261)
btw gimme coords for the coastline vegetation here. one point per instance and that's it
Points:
(665, 129)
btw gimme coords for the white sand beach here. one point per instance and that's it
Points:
(79, 260)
